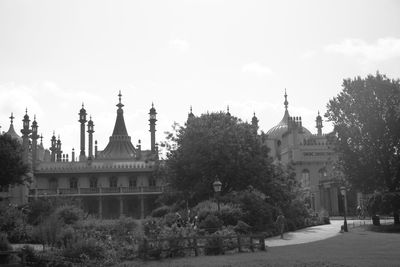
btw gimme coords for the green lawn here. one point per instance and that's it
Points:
(359, 247)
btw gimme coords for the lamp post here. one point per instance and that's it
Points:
(217, 189)
(343, 192)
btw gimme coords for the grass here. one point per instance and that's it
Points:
(358, 247)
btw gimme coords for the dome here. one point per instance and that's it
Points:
(278, 130)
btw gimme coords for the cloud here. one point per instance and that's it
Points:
(256, 68)
(308, 54)
(179, 44)
(382, 49)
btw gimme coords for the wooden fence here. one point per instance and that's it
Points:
(197, 245)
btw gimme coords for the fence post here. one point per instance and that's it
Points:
(262, 243)
(145, 249)
(251, 244)
(196, 252)
(239, 244)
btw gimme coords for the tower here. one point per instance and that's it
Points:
(34, 137)
(58, 149)
(319, 124)
(190, 115)
(53, 147)
(82, 120)
(152, 121)
(25, 136)
(90, 131)
(254, 122)
(227, 111)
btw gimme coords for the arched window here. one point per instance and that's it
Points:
(305, 178)
(133, 182)
(113, 181)
(93, 182)
(73, 183)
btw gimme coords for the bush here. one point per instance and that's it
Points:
(12, 222)
(214, 245)
(69, 214)
(211, 223)
(38, 210)
(5, 246)
(242, 228)
(160, 211)
(85, 250)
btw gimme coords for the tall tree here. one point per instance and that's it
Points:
(366, 118)
(12, 169)
(218, 145)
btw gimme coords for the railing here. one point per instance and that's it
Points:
(170, 247)
(97, 191)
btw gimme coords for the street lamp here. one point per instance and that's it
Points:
(343, 192)
(217, 189)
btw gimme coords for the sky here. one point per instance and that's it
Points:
(208, 54)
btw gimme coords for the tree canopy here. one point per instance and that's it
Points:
(366, 118)
(219, 145)
(12, 169)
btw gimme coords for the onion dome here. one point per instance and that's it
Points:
(11, 132)
(278, 130)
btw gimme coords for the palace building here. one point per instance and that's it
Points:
(312, 158)
(120, 180)
(116, 181)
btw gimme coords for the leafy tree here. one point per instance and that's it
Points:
(366, 118)
(12, 169)
(218, 145)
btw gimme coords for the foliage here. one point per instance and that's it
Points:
(242, 228)
(214, 245)
(69, 214)
(85, 250)
(49, 231)
(5, 246)
(366, 118)
(13, 170)
(13, 222)
(211, 223)
(296, 215)
(229, 213)
(160, 211)
(216, 145)
(38, 210)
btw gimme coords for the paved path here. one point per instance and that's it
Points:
(312, 234)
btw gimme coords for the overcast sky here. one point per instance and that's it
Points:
(54, 55)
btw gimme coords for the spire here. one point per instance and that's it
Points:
(227, 111)
(120, 128)
(319, 124)
(190, 115)
(286, 103)
(254, 122)
(41, 139)
(12, 118)
(119, 105)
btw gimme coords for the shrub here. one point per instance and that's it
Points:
(230, 214)
(160, 211)
(49, 231)
(214, 245)
(85, 250)
(242, 228)
(38, 210)
(12, 222)
(211, 223)
(5, 246)
(69, 214)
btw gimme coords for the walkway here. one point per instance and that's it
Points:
(312, 234)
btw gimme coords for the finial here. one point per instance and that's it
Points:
(119, 96)
(191, 110)
(286, 103)
(152, 104)
(26, 111)
(90, 117)
(41, 139)
(54, 133)
(318, 112)
(12, 118)
(83, 105)
(254, 113)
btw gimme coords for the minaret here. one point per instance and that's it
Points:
(73, 155)
(90, 131)
(34, 137)
(58, 149)
(227, 111)
(82, 120)
(190, 115)
(53, 147)
(254, 122)
(152, 121)
(25, 136)
(319, 124)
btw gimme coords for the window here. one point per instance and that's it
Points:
(93, 182)
(113, 181)
(53, 183)
(133, 182)
(305, 178)
(152, 182)
(73, 183)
